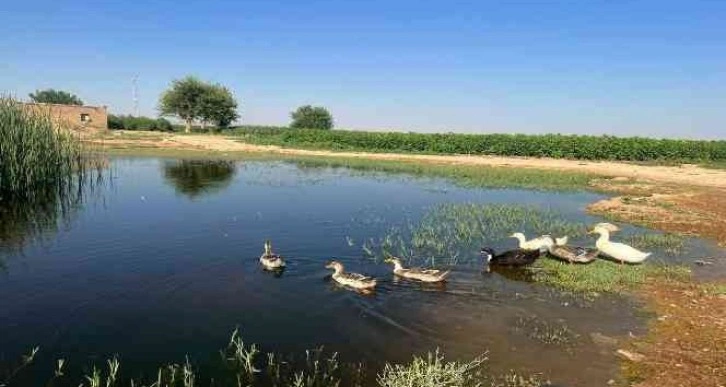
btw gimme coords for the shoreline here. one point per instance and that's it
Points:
(679, 348)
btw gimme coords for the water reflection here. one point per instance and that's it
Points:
(195, 178)
(36, 214)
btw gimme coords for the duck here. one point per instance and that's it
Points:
(573, 254)
(270, 260)
(417, 273)
(353, 280)
(608, 226)
(511, 258)
(538, 243)
(618, 251)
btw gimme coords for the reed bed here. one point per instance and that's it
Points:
(44, 172)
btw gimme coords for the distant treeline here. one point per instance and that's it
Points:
(546, 145)
(138, 123)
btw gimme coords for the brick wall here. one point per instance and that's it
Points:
(74, 116)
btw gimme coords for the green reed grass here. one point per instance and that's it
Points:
(44, 170)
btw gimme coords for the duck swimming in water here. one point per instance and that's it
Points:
(270, 260)
(511, 258)
(618, 251)
(353, 280)
(543, 242)
(417, 273)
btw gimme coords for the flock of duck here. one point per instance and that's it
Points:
(528, 252)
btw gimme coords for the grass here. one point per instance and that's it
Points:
(450, 234)
(603, 276)
(246, 365)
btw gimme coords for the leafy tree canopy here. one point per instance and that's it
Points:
(192, 99)
(55, 96)
(311, 117)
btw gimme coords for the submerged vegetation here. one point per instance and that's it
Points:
(546, 145)
(44, 172)
(240, 364)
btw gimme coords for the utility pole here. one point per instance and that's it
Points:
(135, 94)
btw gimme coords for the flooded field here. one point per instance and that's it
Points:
(162, 263)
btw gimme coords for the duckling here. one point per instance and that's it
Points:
(512, 258)
(353, 280)
(417, 273)
(573, 254)
(617, 251)
(270, 260)
(538, 243)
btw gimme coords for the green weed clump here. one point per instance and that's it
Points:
(547, 145)
(432, 371)
(603, 276)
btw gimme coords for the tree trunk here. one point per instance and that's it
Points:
(204, 124)
(188, 128)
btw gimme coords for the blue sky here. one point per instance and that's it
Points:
(651, 68)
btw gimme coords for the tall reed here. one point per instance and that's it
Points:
(43, 171)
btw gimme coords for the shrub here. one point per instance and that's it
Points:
(138, 123)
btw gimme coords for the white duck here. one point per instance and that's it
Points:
(542, 243)
(618, 251)
(270, 260)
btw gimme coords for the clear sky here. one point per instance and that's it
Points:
(623, 67)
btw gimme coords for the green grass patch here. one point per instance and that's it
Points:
(603, 276)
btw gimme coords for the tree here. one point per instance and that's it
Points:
(311, 117)
(183, 99)
(192, 99)
(218, 106)
(55, 96)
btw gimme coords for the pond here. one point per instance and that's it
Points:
(162, 263)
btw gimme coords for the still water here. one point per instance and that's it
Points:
(163, 264)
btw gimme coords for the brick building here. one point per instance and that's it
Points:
(75, 116)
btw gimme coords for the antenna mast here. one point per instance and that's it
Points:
(135, 94)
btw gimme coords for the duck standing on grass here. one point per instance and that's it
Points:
(618, 251)
(417, 273)
(353, 280)
(270, 260)
(545, 241)
(573, 254)
(512, 258)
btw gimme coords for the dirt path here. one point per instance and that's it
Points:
(685, 174)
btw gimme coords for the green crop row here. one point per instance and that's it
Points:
(546, 145)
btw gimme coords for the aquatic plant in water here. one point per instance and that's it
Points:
(45, 171)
